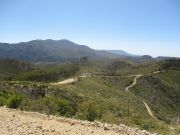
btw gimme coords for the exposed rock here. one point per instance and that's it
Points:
(38, 124)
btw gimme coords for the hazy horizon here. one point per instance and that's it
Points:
(138, 27)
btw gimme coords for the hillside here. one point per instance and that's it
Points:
(11, 67)
(97, 90)
(161, 91)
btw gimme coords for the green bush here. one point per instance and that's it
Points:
(14, 101)
(49, 105)
(3, 97)
(2, 101)
(44, 105)
(64, 108)
(88, 111)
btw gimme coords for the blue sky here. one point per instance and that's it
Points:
(137, 26)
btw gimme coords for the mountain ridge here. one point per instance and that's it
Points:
(120, 52)
(63, 50)
(50, 50)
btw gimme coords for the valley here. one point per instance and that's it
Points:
(90, 67)
(137, 91)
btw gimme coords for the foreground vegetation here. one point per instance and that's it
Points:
(101, 97)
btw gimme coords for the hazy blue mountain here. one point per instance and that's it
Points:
(119, 52)
(50, 50)
(159, 58)
(62, 50)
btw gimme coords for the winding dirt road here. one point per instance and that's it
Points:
(145, 104)
(134, 82)
(72, 80)
(149, 110)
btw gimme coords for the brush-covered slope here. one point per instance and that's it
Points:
(162, 93)
(103, 96)
(11, 67)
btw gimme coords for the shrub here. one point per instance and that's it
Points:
(2, 101)
(64, 108)
(14, 101)
(44, 105)
(3, 97)
(88, 111)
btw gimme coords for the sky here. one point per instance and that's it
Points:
(137, 26)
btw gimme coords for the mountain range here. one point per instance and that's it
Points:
(60, 50)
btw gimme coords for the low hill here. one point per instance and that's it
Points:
(11, 67)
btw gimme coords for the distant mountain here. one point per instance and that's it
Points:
(50, 50)
(119, 52)
(130, 57)
(139, 59)
(63, 50)
(159, 58)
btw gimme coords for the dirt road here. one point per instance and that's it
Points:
(15, 122)
(149, 110)
(67, 81)
(146, 105)
(134, 82)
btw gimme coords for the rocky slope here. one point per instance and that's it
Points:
(20, 122)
